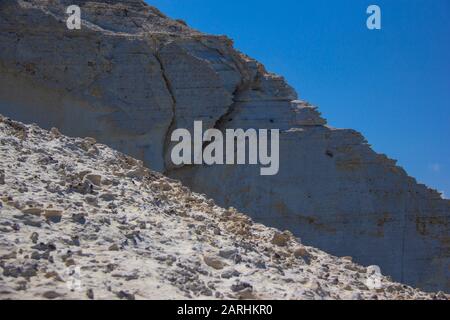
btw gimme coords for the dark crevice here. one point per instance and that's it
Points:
(246, 82)
(171, 126)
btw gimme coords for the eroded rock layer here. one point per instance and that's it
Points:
(131, 76)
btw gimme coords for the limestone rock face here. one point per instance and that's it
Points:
(131, 76)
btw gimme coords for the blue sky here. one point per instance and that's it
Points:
(392, 85)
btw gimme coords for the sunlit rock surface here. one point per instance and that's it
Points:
(131, 76)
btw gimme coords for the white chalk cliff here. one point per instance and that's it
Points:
(131, 76)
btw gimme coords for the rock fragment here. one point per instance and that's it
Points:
(281, 239)
(228, 253)
(214, 262)
(90, 294)
(300, 252)
(124, 295)
(51, 294)
(53, 215)
(33, 211)
(95, 179)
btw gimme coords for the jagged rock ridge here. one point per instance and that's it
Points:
(132, 75)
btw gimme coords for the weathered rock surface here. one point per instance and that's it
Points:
(156, 240)
(131, 75)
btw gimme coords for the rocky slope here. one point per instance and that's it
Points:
(79, 220)
(131, 76)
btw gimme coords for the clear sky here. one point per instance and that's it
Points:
(392, 85)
